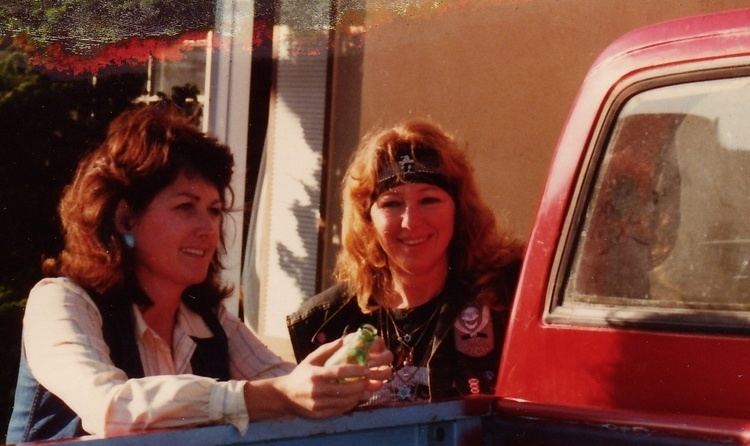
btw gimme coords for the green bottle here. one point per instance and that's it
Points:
(355, 348)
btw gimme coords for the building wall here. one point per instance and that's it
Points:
(500, 75)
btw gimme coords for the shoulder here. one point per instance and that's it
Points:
(229, 321)
(333, 298)
(59, 299)
(508, 277)
(59, 291)
(60, 283)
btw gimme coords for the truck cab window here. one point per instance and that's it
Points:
(666, 225)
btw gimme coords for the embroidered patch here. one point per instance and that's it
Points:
(473, 332)
(474, 387)
(406, 163)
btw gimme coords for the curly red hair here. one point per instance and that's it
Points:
(479, 250)
(145, 149)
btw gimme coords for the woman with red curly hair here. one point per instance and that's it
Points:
(127, 332)
(423, 260)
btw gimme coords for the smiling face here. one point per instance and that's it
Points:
(414, 226)
(177, 235)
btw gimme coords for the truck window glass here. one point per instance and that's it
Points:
(666, 226)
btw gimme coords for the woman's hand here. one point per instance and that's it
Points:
(318, 391)
(379, 363)
(313, 390)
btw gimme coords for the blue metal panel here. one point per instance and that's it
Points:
(445, 423)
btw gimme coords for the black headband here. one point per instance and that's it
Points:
(410, 164)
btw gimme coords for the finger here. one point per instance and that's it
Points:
(340, 400)
(351, 371)
(383, 357)
(378, 345)
(374, 385)
(380, 373)
(351, 392)
(320, 354)
(341, 372)
(340, 388)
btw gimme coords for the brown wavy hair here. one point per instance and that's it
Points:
(144, 151)
(479, 251)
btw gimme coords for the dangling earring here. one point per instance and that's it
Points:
(129, 240)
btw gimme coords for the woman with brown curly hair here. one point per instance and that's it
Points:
(127, 332)
(423, 260)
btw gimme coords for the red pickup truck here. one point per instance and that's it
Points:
(631, 321)
(633, 309)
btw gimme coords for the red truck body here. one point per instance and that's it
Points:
(562, 364)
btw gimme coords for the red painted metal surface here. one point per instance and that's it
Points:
(723, 430)
(630, 371)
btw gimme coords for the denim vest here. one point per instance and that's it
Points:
(40, 415)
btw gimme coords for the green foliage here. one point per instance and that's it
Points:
(81, 26)
(16, 79)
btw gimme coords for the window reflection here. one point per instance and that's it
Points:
(667, 223)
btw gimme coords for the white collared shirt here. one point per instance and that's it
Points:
(67, 354)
